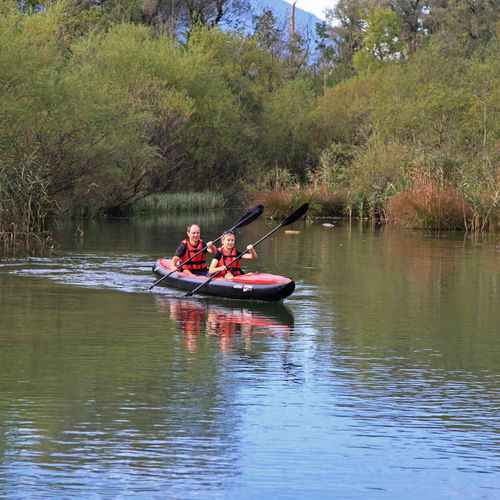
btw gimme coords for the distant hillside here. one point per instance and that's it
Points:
(281, 8)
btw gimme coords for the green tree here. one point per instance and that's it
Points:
(286, 43)
(93, 135)
(326, 51)
(411, 14)
(270, 33)
(381, 39)
(287, 128)
(463, 24)
(346, 25)
(245, 65)
(181, 16)
(162, 110)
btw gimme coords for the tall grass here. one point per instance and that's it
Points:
(279, 191)
(322, 202)
(24, 207)
(429, 207)
(430, 204)
(179, 202)
(480, 186)
(422, 199)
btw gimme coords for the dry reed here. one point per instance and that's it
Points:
(427, 204)
(24, 207)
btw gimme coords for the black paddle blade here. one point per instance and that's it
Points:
(296, 215)
(250, 216)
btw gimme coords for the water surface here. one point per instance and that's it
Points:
(378, 378)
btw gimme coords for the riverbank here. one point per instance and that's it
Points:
(26, 219)
(427, 206)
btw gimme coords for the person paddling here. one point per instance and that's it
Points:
(226, 254)
(188, 248)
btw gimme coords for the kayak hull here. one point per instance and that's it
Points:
(251, 286)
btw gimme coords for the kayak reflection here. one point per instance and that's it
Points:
(210, 319)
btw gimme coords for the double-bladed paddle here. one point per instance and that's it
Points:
(289, 220)
(249, 217)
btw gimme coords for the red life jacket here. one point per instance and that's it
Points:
(199, 263)
(227, 257)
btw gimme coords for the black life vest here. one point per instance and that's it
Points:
(199, 263)
(227, 257)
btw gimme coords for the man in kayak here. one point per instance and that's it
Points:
(224, 255)
(189, 248)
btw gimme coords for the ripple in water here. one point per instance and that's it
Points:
(127, 273)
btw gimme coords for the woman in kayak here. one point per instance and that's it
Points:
(224, 255)
(189, 248)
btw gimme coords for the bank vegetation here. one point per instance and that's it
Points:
(390, 111)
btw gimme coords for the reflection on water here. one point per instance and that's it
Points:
(226, 323)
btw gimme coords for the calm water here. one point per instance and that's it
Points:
(378, 378)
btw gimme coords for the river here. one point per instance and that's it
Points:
(378, 378)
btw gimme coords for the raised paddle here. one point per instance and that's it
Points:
(249, 217)
(289, 220)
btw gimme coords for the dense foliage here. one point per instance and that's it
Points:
(395, 116)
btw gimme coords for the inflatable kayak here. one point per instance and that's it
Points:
(251, 286)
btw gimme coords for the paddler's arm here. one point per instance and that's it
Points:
(211, 247)
(214, 268)
(178, 255)
(250, 254)
(175, 262)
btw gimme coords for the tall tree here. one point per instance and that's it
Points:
(346, 25)
(282, 40)
(381, 38)
(325, 51)
(410, 13)
(182, 15)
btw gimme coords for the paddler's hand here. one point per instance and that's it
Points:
(211, 247)
(174, 264)
(252, 251)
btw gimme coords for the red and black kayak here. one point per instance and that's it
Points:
(251, 286)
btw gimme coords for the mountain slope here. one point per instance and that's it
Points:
(283, 9)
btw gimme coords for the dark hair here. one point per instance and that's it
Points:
(190, 226)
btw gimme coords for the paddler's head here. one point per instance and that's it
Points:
(193, 232)
(228, 240)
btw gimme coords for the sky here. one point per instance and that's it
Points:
(315, 6)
